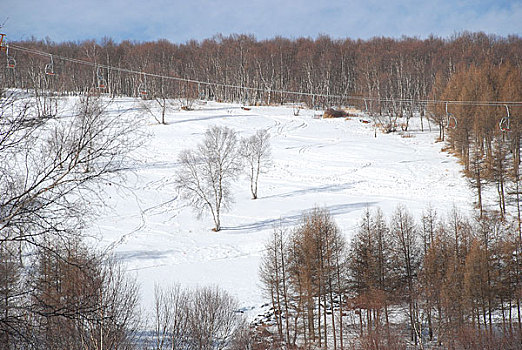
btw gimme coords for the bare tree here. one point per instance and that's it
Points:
(274, 275)
(151, 108)
(406, 262)
(213, 318)
(159, 101)
(204, 178)
(12, 293)
(255, 150)
(370, 275)
(171, 306)
(51, 171)
(205, 318)
(316, 263)
(84, 301)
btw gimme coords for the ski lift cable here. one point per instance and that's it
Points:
(296, 93)
(456, 102)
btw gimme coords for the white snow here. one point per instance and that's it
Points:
(331, 163)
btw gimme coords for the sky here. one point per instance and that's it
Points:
(182, 20)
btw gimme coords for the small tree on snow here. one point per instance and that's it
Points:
(255, 150)
(205, 174)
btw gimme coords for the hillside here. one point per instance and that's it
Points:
(335, 164)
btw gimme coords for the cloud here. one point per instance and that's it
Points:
(180, 21)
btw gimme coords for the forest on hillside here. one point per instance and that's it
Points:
(470, 84)
(238, 67)
(456, 281)
(441, 281)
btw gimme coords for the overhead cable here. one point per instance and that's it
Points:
(274, 91)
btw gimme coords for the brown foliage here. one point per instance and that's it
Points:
(380, 68)
(333, 113)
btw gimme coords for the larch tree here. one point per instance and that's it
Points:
(368, 262)
(407, 261)
(363, 267)
(12, 323)
(274, 273)
(318, 248)
(80, 300)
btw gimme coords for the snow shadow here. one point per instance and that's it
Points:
(200, 119)
(226, 108)
(319, 189)
(144, 254)
(222, 116)
(290, 220)
(155, 165)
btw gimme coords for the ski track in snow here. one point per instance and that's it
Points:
(334, 164)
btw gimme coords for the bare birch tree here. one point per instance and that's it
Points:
(255, 150)
(205, 176)
(203, 318)
(171, 306)
(50, 170)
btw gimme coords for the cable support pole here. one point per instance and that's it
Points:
(295, 93)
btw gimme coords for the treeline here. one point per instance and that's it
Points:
(65, 297)
(56, 291)
(485, 136)
(433, 282)
(384, 70)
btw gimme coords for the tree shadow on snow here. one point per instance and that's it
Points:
(144, 254)
(222, 116)
(293, 219)
(199, 119)
(319, 189)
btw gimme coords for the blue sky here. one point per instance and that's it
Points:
(180, 21)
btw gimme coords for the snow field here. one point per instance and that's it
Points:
(335, 164)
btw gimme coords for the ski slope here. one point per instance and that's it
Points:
(335, 164)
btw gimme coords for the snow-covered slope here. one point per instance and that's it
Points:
(331, 163)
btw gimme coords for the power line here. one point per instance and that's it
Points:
(275, 91)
